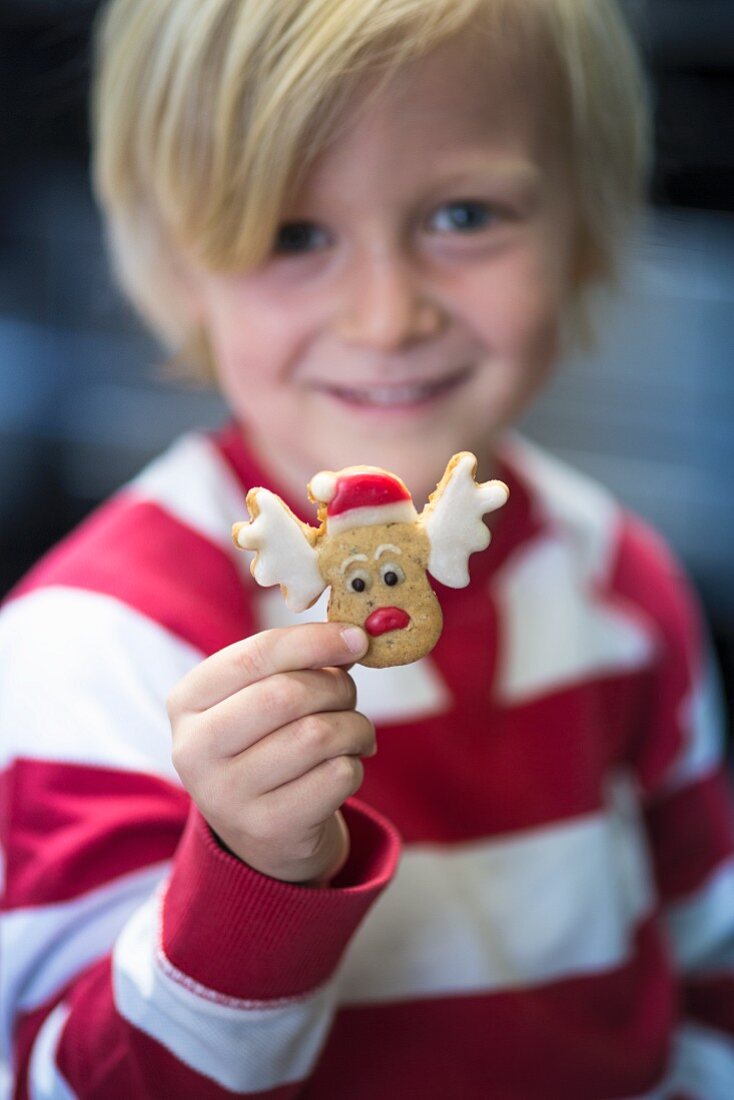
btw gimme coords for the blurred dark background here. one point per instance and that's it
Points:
(83, 403)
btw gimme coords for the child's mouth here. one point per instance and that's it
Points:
(408, 395)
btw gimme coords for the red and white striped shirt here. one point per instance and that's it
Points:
(560, 923)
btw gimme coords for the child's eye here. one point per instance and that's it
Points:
(297, 237)
(462, 217)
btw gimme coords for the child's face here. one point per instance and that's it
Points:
(413, 306)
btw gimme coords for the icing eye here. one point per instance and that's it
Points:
(359, 581)
(391, 574)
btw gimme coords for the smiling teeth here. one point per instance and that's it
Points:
(394, 395)
(405, 395)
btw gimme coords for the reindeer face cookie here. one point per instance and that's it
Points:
(378, 579)
(374, 551)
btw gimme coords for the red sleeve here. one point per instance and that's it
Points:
(139, 958)
(211, 966)
(298, 934)
(680, 763)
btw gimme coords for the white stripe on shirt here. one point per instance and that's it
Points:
(702, 1065)
(551, 903)
(555, 632)
(583, 513)
(121, 666)
(45, 1081)
(701, 926)
(193, 482)
(43, 947)
(701, 718)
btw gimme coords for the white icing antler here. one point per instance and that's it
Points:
(284, 549)
(453, 519)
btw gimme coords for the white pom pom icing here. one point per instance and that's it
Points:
(323, 486)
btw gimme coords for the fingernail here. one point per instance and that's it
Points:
(355, 639)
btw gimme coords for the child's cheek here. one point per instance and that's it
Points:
(251, 326)
(523, 298)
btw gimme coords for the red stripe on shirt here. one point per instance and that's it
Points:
(141, 555)
(519, 776)
(71, 828)
(647, 575)
(692, 833)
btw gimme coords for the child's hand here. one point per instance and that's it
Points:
(268, 744)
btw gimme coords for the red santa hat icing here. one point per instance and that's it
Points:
(361, 495)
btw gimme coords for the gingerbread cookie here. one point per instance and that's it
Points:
(374, 551)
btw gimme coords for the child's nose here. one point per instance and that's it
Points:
(386, 307)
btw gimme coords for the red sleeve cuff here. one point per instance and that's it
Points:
(249, 936)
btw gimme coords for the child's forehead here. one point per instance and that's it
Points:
(463, 85)
(457, 109)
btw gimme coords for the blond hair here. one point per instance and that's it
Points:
(208, 113)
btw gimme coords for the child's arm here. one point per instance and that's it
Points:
(689, 811)
(139, 957)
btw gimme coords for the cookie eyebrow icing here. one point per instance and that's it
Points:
(384, 549)
(355, 557)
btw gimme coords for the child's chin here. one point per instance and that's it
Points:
(419, 461)
(417, 450)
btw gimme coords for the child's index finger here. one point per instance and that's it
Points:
(282, 649)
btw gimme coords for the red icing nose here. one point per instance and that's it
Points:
(385, 619)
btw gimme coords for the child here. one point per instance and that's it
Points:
(372, 221)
